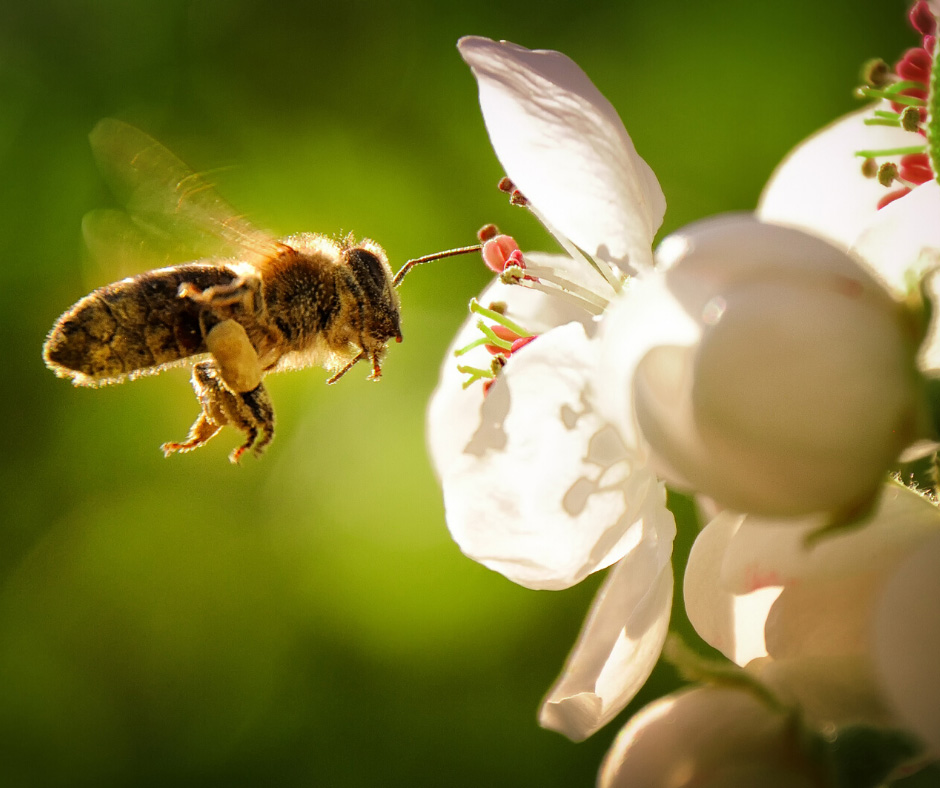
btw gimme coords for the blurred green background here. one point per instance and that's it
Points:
(305, 619)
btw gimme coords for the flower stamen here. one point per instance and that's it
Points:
(544, 274)
(493, 337)
(498, 317)
(906, 88)
(475, 374)
(875, 154)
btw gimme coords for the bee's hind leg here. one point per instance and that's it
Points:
(250, 411)
(201, 431)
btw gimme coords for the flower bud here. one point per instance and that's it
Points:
(708, 737)
(802, 389)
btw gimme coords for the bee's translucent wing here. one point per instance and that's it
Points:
(169, 207)
(120, 247)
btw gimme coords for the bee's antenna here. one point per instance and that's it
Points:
(436, 256)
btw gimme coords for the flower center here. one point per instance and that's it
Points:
(502, 336)
(906, 90)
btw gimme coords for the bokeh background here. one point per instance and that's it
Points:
(305, 620)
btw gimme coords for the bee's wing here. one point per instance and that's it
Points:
(168, 205)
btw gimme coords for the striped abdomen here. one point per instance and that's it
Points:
(134, 326)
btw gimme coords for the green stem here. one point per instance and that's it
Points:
(933, 114)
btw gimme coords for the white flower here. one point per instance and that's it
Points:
(537, 485)
(755, 364)
(819, 186)
(844, 627)
(708, 737)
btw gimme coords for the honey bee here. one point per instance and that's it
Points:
(271, 304)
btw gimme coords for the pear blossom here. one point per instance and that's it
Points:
(755, 364)
(819, 187)
(537, 484)
(844, 628)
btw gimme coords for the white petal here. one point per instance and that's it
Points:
(902, 240)
(901, 243)
(564, 146)
(618, 647)
(645, 314)
(732, 623)
(819, 186)
(825, 618)
(907, 643)
(545, 492)
(454, 412)
(766, 552)
(837, 689)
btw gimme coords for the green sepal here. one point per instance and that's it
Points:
(933, 114)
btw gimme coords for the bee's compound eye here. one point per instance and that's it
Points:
(368, 270)
(375, 278)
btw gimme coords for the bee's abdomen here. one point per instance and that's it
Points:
(131, 327)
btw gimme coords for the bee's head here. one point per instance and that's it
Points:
(369, 265)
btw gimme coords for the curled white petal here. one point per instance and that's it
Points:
(819, 186)
(564, 146)
(907, 642)
(544, 491)
(772, 553)
(644, 315)
(622, 638)
(731, 622)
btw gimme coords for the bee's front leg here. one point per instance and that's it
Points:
(248, 411)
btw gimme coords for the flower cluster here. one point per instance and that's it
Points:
(775, 366)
